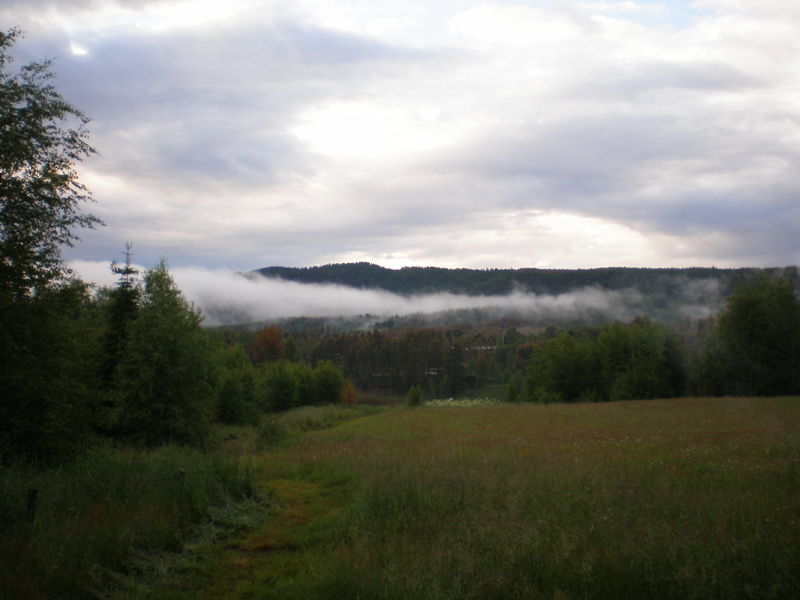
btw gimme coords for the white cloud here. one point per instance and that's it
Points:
(366, 130)
(623, 7)
(761, 8)
(519, 26)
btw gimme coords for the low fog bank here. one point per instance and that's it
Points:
(226, 297)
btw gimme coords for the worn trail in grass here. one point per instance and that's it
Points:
(274, 554)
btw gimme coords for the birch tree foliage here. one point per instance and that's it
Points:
(42, 138)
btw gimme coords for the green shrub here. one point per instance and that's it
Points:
(283, 385)
(329, 381)
(276, 388)
(414, 396)
(636, 361)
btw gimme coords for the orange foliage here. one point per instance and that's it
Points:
(349, 395)
(268, 346)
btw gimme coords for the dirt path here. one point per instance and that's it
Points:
(279, 553)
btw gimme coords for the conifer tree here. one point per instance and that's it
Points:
(121, 311)
(165, 374)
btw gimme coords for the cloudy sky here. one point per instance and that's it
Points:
(456, 133)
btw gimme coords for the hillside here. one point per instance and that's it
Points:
(490, 282)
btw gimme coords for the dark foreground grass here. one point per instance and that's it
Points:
(105, 517)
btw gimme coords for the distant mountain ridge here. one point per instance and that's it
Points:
(500, 282)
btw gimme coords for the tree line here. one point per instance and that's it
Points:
(664, 283)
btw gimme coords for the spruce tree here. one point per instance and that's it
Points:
(166, 373)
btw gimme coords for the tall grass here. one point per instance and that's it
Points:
(281, 429)
(672, 500)
(91, 517)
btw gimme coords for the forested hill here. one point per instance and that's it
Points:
(425, 280)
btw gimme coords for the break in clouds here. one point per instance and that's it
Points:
(227, 297)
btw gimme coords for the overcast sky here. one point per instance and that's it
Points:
(455, 133)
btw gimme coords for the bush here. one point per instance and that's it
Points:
(514, 389)
(414, 396)
(330, 382)
(277, 387)
(283, 385)
(349, 395)
(235, 397)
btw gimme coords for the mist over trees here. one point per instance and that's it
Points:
(364, 296)
(112, 400)
(750, 349)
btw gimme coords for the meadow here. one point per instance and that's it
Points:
(690, 498)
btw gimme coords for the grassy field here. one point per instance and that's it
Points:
(674, 499)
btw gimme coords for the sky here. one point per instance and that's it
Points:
(457, 133)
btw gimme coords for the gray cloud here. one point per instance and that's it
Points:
(214, 107)
(69, 6)
(291, 133)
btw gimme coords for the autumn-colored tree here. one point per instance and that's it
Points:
(349, 396)
(268, 346)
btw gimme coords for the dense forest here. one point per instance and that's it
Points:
(498, 282)
(534, 297)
